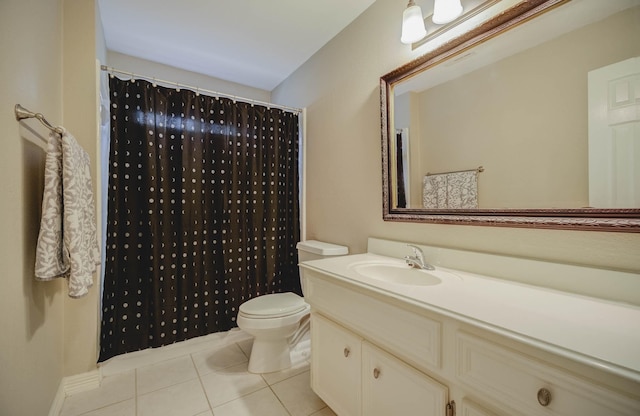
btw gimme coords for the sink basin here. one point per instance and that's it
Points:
(397, 273)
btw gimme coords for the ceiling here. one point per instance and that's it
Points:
(257, 43)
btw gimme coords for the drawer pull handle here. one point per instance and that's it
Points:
(347, 351)
(376, 373)
(544, 397)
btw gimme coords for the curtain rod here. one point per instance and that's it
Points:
(199, 90)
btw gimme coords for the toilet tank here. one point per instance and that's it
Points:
(315, 250)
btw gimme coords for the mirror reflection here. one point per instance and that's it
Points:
(546, 115)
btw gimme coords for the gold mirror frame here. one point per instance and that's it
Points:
(595, 219)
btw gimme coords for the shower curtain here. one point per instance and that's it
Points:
(202, 213)
(402, 199)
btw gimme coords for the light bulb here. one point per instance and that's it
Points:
(412, 24)
(445, 11)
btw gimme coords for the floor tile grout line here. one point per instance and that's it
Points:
(191, 360)
(169, 356)
(278, 397)
(240, 397)
(245, 354)
(267, 385)
(183, 382)
(105, 405)
(190, 354)
(135, 391)
(201, 383)
(237, 344)
(100, 407)
(281, 402)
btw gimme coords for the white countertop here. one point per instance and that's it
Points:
(596, 332)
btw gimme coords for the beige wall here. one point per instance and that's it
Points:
(48, 65)
(339, 86)
(31, 313)
(81, 46)
(152, 69)
(53, 70)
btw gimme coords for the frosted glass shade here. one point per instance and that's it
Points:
(445, 11)
(412, 25)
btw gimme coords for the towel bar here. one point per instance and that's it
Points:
(478, 169)
(22, 113)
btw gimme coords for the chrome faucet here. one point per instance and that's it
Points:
(417, 260)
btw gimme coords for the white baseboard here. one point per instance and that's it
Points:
(58, 401)
(81, 382)
(133, 360)
(72, 385)
(127, 362)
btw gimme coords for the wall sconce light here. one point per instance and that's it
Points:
(412, 24)
(445, 11)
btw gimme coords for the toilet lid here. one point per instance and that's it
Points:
(274, 305)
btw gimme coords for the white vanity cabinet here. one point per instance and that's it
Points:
(354, 377)
(378, 353)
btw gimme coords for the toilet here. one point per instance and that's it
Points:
(277, 321)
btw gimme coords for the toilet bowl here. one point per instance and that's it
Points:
(273, 320)
(278, 320)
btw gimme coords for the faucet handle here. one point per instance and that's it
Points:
(417, 251)
(418, 258)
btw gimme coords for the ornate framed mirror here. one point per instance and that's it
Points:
(530, 119)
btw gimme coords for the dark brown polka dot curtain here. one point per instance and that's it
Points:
(202, 213)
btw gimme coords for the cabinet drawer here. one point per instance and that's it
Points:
(515, 379)
(412, 337)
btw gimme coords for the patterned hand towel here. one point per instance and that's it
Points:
(434, 191)
(67, 243)
(462, 190)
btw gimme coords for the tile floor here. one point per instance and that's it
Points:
(205, 378)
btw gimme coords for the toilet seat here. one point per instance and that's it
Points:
(275, 305)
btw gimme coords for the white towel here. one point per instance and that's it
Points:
(67, 242)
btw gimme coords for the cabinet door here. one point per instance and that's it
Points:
(391, 387)
(336, 366)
